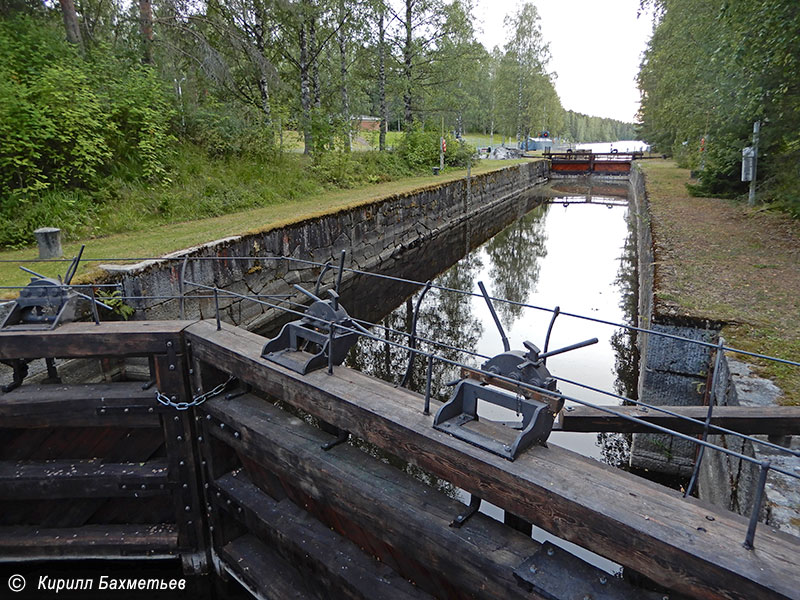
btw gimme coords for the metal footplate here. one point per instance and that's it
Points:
(326, 333)
(555, 574)
(462, 408)
(536, 409)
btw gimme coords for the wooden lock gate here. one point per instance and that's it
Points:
(240, 485)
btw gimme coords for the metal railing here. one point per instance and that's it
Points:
(297, 308)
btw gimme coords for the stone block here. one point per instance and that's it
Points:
(678, 356)
(49, 241)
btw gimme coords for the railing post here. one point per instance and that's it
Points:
(751, 528)
(427, 409)
(182, 289)
(330, 347)
(216, 307)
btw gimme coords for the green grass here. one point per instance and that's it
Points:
(717, 259)
(143, 236)
(368, 140)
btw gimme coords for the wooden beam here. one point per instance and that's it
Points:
(265, 574)
(379, 507)
(183, 457)
(78, 340)
(123, 404)
(19, 543)
(773, 420)
(24, 480)
(336, 563)
(632, 521)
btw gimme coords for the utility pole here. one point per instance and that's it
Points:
(751, 199)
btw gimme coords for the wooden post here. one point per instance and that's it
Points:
(751, 198)
(184, 476)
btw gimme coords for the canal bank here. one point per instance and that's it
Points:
(710, 267)
(374, 236)
(526, 232)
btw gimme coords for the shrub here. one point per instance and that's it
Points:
(52, 123)
(225, 132)
(140, 109)
(420, 149)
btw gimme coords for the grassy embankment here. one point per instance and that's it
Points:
(368, 140)
(721, 260)
(243, 196)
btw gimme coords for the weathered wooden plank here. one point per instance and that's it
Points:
(336, 563)
(73, 340)
(113, 444)
(401, 520)
(629, 520)
(150, 509)
(104, 404)
(88, 542)
(777, 420)
(264, 572)
(81, 479)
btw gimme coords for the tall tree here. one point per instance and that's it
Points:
(382, 107)
(528, 55)
(71, 25)
(422, 23)
(713, 68)
(146, 30)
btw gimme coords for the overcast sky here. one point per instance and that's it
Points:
(596, 47)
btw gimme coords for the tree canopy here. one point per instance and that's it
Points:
(102, 93)
(711, 70)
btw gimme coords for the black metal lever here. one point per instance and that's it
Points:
(506, 345)
(567, 348)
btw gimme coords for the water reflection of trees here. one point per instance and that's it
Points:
(514, 254)
(444, 317)
(615, 447)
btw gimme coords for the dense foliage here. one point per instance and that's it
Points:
(104, 105)
(712, 69)
(583, 128)
(66, 119)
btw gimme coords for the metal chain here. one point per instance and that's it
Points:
(196, 400)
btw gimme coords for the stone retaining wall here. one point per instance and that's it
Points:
(677, 373)
(728, 481)
(374, 236)
(671, 372)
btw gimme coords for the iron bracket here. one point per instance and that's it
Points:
(473, 507)
(462, 408)
(132, 409)
(213, 423)
(322, 337)
(341, 438)
(224, 500)
(556, 574)
(135, 489)
(20, 367)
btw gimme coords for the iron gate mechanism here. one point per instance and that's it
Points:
(324, 334)
(537, 410)
(44, 304)
(322, 337)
